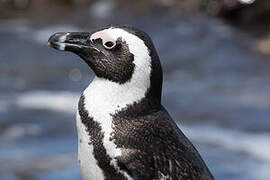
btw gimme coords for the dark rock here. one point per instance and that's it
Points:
(238, 11)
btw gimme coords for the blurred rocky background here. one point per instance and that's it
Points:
(252, 16)
(216, 60)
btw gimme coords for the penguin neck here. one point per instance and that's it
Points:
(111, 97)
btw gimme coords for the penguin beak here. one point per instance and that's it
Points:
(76, 42)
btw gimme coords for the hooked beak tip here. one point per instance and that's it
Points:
(57, 41)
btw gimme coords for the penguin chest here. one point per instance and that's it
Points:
(87, 162)
(97, 150)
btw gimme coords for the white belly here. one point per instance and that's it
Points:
(88, 164)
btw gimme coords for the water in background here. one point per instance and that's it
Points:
(216, 87)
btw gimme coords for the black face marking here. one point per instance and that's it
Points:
(114, 64)
(96, 136)
(109, 60)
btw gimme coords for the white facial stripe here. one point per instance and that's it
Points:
(102, 35)
(104, 98)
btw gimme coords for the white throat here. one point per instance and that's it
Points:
(109, 97)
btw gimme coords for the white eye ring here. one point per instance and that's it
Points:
(109, 44)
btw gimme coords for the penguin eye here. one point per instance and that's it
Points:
(109, 44)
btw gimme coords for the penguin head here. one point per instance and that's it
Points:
(119, 54)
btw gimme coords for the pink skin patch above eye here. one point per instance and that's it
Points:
(102, 35)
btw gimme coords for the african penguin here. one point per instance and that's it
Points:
(124, 132)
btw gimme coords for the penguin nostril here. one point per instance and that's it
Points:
(72, 40)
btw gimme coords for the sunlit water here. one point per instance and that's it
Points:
(216, 87)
